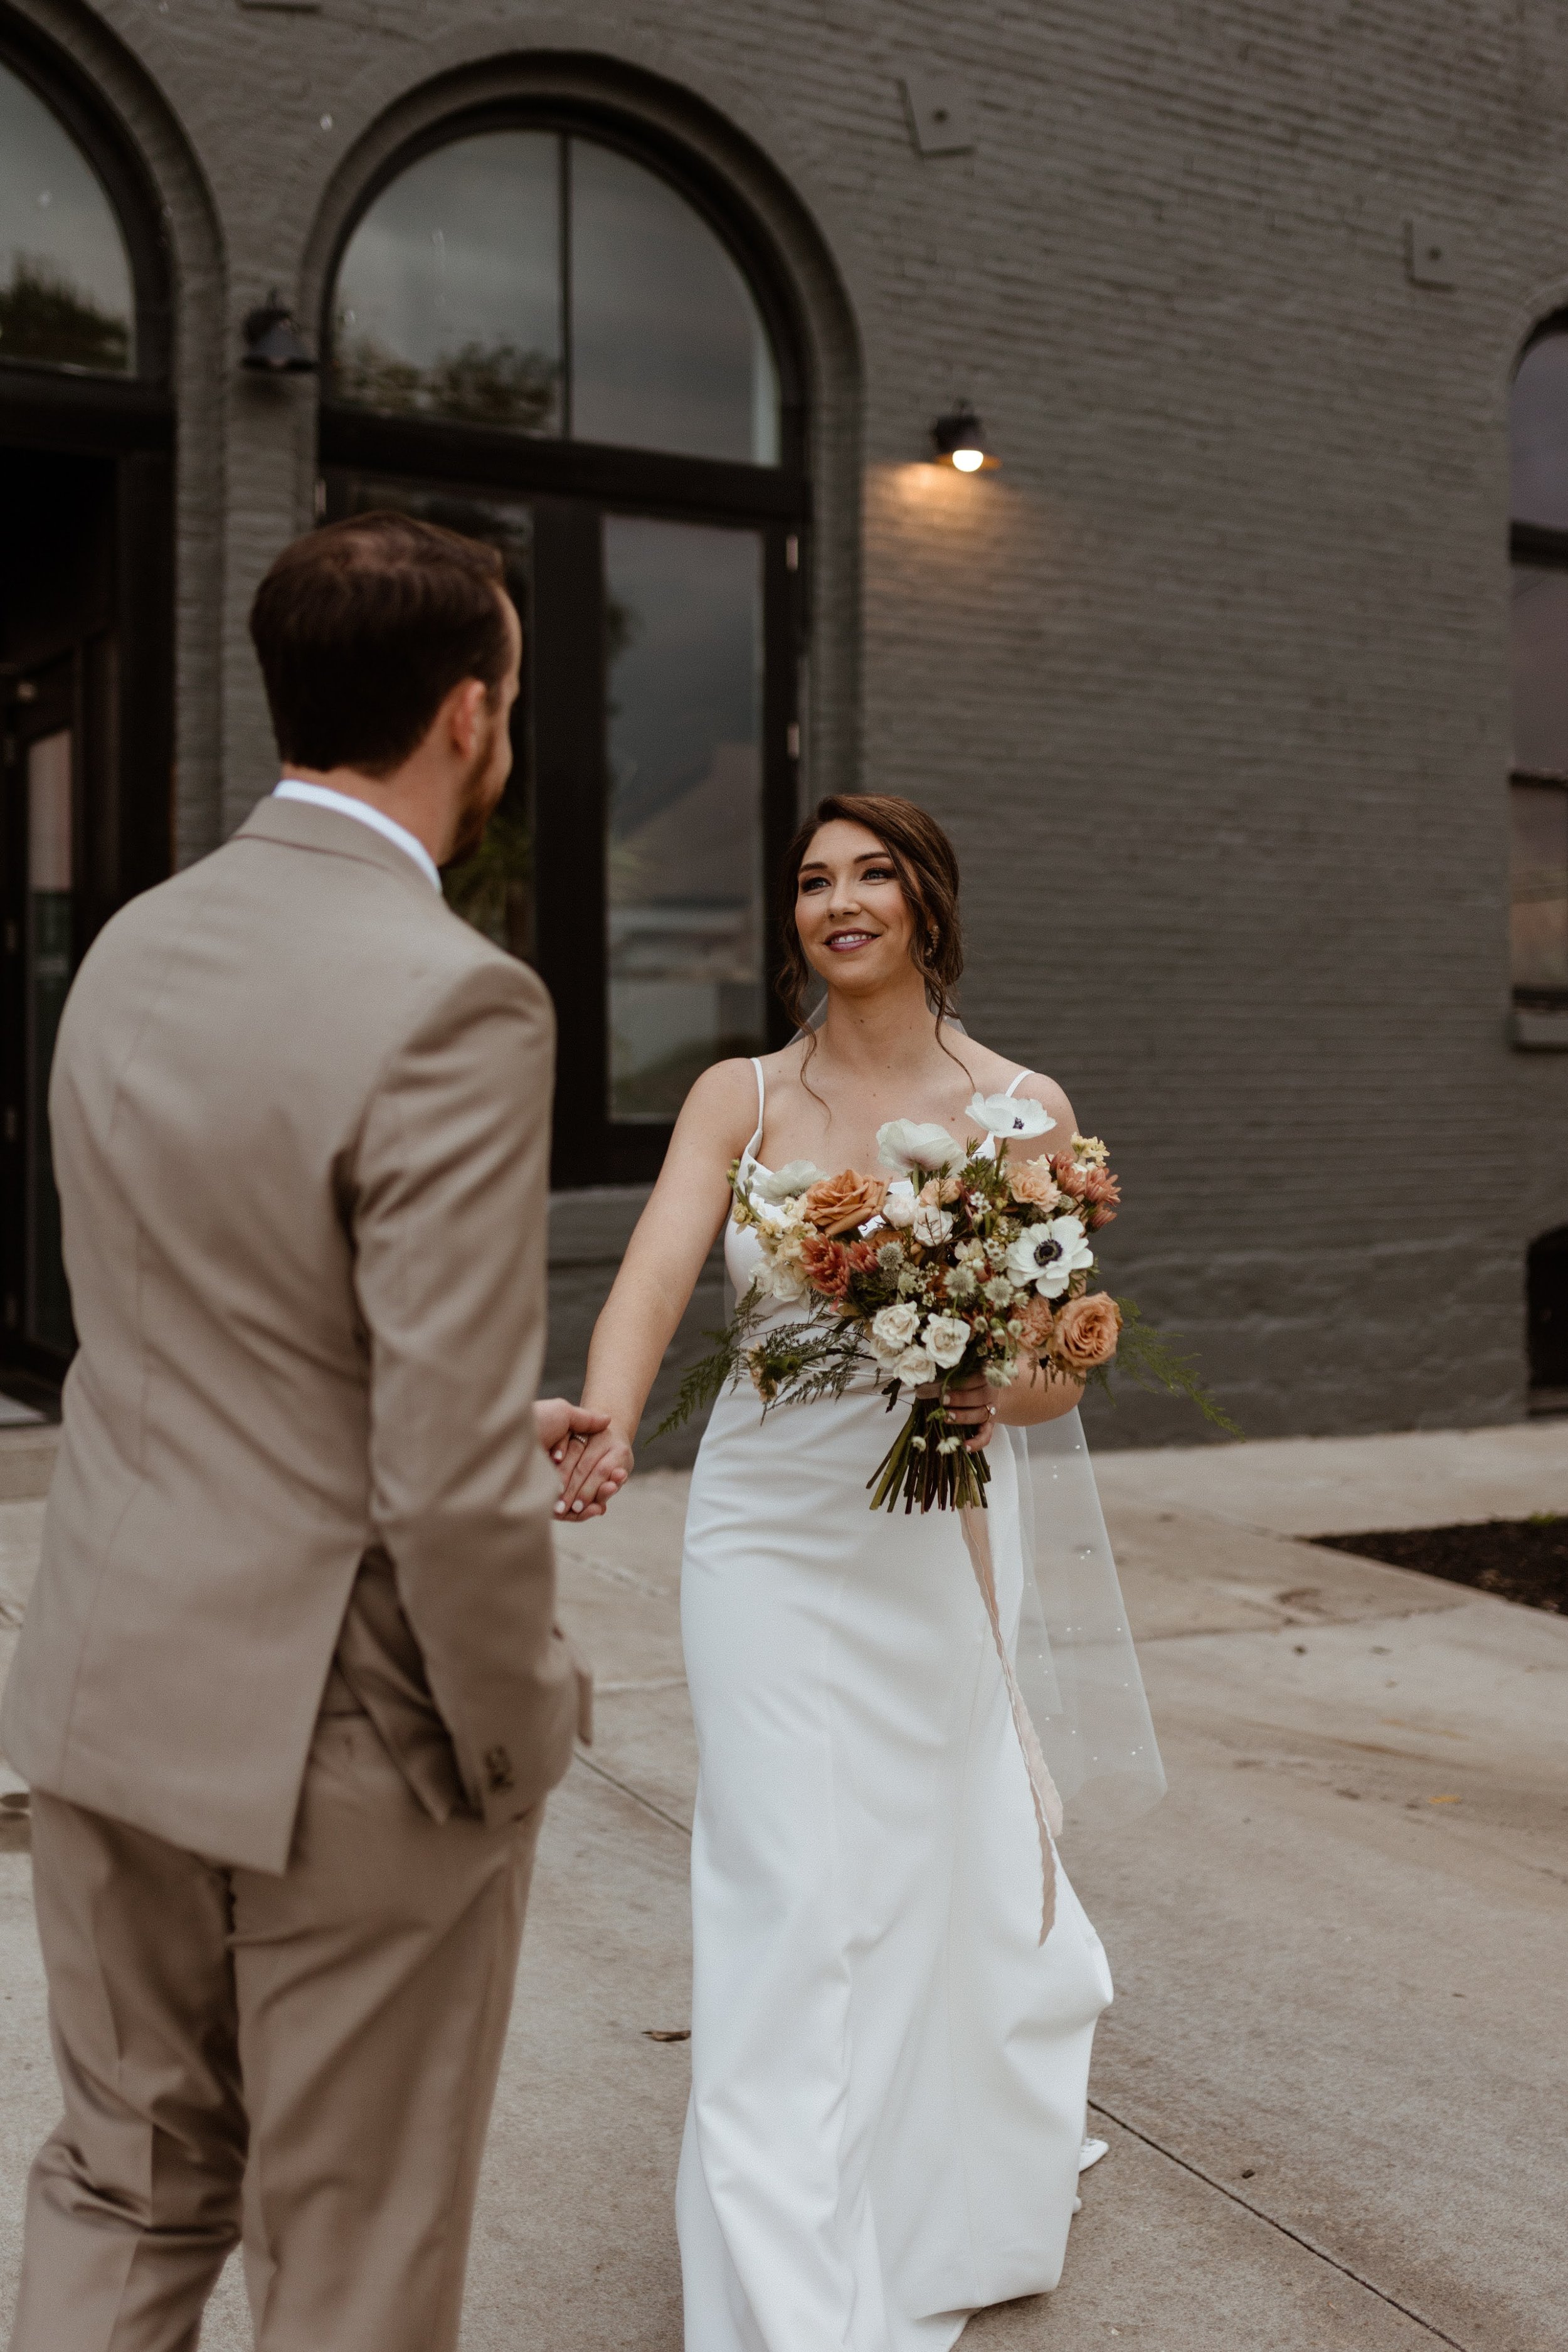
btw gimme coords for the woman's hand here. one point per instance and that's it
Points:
(595, 1466)
(971, 1406)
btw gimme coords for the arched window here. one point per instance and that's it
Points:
(551, 336)
(86, 610)
(1539, 450)
(67, 296)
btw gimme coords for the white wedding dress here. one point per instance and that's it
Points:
(889, 2069)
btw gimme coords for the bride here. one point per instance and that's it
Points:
(889, 2069)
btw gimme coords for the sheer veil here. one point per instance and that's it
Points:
(1074, 1658)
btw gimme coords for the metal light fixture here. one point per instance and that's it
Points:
(959, 439)
(273, 342)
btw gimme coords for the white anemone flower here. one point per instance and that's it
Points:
(1049, 1256)
(944, 1339)
(915, 1367)
(776, 1185)
(907, 1143)
(1011, 1115)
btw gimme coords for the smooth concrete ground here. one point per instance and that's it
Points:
(1333, 2079)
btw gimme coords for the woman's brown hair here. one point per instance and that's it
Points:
(922, 856)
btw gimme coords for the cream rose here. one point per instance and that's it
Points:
(1085, 1333)
(894, 1329)
(840, 1204)
(944, 1339)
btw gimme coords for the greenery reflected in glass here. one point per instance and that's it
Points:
(496, 385)
(43, 317)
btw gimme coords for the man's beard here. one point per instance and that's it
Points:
(478, 805)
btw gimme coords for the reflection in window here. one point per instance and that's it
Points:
(494, 888)
(667, 351)
(1540, 669)
(1539, 448)
(1538, 435)
(1540, 866)
(545, 285)
(449, 298)
(66, 294)
(684, 609)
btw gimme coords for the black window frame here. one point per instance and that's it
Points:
(123, 820)
(571, 485)
(1543, 549)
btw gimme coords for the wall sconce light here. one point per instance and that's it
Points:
(959, 439)
(273, 342)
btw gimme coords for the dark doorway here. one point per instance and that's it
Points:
(84, 804)
(1547, 1287)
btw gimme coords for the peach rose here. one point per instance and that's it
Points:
(937, 1192)
(839, 1203)
(1033, 1180)
(1086, 1333)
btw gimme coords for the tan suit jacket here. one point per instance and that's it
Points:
(300, 1119)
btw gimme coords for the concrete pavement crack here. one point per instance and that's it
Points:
(1299, 2237)
(635, 1794)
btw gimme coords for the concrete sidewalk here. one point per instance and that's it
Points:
(1333, 2080)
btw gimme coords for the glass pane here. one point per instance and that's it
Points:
(1539, 886)
(684, 615)
(448, 300)
(1540, 669)
(48, 971)
(1538, 434)
(668, 351)
(494, 888)
(66, 292)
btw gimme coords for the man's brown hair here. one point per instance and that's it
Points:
(363, 628)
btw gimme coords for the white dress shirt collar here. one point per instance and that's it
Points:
(294, 788)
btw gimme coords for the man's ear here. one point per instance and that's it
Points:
(467, 708)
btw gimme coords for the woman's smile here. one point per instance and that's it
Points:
(845, 942)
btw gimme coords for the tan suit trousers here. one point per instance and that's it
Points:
(305, 2064)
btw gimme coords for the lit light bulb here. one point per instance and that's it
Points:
(969, 461)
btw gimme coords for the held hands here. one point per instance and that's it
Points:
(594, 1470)
(971, 1406)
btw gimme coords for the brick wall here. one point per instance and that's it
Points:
(1209, 679)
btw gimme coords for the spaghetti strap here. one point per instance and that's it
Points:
(761, 1109)
(1011, 1089)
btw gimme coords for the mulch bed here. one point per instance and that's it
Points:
(1518, 1559)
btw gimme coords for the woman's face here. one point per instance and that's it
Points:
(853, 921)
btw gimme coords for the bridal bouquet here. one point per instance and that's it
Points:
(963, 1259)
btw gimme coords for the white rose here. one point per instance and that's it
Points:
(778, 1184)
(906, 1143)
(915, 1367)
(894, 1329)
(899, 1208)
(945, 1339)
(1049, 1256)
(930, 1225)
(788, 1282)
(1014, 1115)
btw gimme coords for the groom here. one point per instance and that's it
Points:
(289, 1693)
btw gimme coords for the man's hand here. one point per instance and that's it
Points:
(566, 1432)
